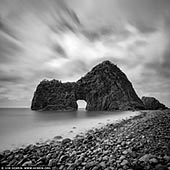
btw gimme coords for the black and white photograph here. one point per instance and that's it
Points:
(85, 84)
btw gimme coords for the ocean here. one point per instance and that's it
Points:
(22, 126)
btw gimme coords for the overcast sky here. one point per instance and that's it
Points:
(64, 39)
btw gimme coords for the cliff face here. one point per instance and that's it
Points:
(54, 95)
(151, 103)
(105, 87)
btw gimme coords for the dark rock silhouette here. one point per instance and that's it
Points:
(152, 103)
(54, 95)
(105, 87)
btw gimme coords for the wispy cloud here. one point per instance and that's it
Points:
(63, 39)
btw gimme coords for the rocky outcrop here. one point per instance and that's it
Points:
(151, 103)
(54, 95)
(105, 87)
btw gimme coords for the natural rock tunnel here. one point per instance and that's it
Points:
(81, 104)
(105, 87)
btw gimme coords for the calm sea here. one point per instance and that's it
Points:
(21, 126)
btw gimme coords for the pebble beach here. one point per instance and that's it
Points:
(141, 142)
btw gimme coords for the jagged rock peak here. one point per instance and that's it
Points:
(104, 65)
(152, 103)
(105, 87)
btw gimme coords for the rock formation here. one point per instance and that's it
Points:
(105, 87)
(151, 103)
(54, 95)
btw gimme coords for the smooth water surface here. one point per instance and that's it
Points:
(21, 126)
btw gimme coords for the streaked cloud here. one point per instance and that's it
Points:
(63, 39)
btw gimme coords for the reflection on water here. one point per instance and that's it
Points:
(23, 126)
(53, 115)
(58, 115)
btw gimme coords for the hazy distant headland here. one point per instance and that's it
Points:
(104, 88)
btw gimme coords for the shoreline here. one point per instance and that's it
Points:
(47, 130)
(140, 142)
